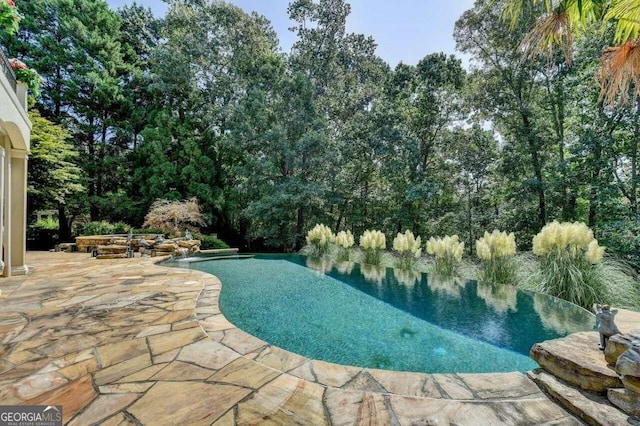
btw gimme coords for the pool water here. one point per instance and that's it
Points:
(389, 319)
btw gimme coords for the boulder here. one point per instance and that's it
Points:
(577, 360)
(112, 249)
(631, 383)
(155, 253)
(629, 402)
(111, 256)
(189, 243)
(618, 344)
(628, 363)
(168, 247)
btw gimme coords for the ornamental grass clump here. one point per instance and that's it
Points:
(569, 255)
(373, 243)
(408, 249)
(448, 254)
(496, 252)
(320, 238)
(344, 241)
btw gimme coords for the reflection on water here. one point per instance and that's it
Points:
(554, 317)
(344, 267)
(450, 286)
(499, 314)
(407, 277)
(500, 297)
(320, 264)
(374, 274)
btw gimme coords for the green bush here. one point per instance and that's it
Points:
(622, 238)
(121, 228)
(49, 223)
(43, 234)
(209, 242)
(97, 228)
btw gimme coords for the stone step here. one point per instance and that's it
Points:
(591, 408)
(577, 360)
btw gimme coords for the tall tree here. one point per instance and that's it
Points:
(53, 175)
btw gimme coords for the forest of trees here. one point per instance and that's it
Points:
(202, 103)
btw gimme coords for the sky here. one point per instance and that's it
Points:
(405, 30)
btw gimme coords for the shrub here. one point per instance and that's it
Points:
(97, 228)
(448, 254)
(49, 224)
(496, 252)
(208, 242)
(408, 249)
(121, 228)
(622, 238)
(173, 217)
(568, 253)
(319, 238)
(373, 242)
(43, 234)
(344, 240)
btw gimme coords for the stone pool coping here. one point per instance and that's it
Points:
(127, 341)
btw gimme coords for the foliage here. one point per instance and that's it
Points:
(320, 237)
(27, 76)
(496, 252)
(209, 242)
(9, 17)
(568, 252)
(408, 249)
(448, 254)
(49, 223)
(43, 234)
(174, 217)
(97, 228)
(373, 243)
(622, 238)
(564, 19)
(344, 241)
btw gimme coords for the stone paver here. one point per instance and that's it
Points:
(127, 341)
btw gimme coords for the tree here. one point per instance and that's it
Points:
(173, 217)
(53, 175)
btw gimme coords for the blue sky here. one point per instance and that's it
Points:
(405, 30)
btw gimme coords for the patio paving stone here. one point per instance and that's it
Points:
(125, 341)
(103, 407)
(176, 402)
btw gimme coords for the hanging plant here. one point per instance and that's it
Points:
(26, 75)
(9, 17)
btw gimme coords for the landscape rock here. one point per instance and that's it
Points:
(627, 401)
(577, 360)
(628, 363)
(618, 344)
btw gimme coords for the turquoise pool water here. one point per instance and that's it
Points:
(381, 318)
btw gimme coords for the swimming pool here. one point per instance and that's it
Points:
(384, 318)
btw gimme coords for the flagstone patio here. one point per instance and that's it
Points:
(130, 342)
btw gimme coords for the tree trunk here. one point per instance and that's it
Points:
(299, 229)
(536, 165)
(64, 230)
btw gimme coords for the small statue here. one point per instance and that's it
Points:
(187, 235)
(605, 324)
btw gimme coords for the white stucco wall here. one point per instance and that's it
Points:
(15, 134)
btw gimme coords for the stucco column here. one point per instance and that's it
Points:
(17, 218)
